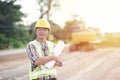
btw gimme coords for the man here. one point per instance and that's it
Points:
(39, 52)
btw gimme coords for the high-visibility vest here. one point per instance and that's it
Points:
(41, 70)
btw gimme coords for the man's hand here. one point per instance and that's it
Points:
(58, 63)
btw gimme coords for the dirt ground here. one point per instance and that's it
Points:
(100, 64)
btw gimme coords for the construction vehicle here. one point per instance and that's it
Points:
(82, 38)
(110, 39)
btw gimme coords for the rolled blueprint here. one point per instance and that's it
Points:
(57, 51)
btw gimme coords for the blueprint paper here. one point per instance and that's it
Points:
(57, 51)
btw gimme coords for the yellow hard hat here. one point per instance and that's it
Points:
(42, 23)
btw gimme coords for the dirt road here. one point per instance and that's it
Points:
(101, 64)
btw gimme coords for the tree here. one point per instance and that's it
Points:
(69, 27)
(46, 7)
(56, 30)
(9, 15)
(12, 33)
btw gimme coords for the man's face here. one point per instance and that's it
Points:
(42, 33)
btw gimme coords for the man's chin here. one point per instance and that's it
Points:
(41, 37)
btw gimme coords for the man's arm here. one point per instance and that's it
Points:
(45, 59)
(36, 59)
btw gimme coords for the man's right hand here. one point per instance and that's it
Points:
(58, 63)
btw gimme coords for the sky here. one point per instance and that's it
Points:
(102, 14)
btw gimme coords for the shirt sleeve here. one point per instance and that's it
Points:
(31, 52)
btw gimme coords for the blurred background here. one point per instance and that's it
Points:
(86, 26)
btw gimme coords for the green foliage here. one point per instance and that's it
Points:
(12, 33)
(5, 42)
(9, 15)
(18, 44)
(20, 41)
(2, 41)
(31, 30)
